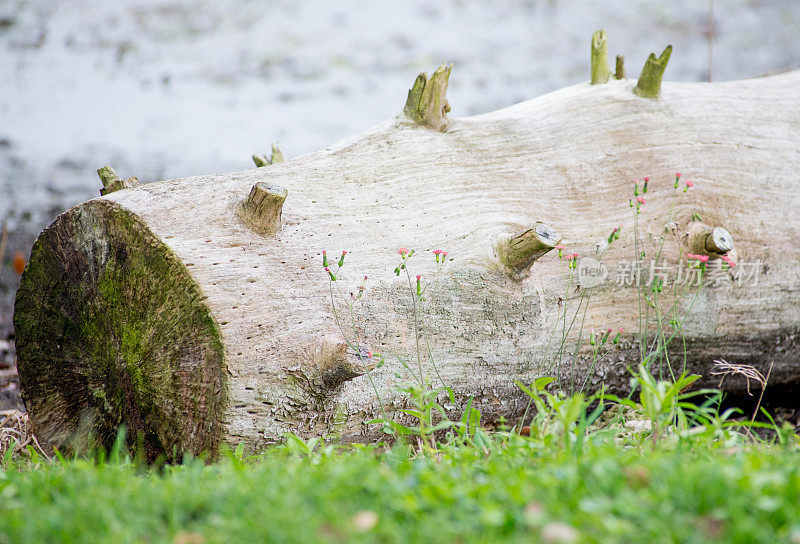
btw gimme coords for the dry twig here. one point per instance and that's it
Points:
(16, 433)
(724, 368)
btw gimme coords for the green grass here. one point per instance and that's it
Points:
(691, 487)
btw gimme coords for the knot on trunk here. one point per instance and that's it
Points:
(334, 362)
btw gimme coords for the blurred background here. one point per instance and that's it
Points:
(164, 89)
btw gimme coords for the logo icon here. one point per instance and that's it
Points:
(591, 272)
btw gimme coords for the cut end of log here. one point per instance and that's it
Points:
(619, 73)
(112, 182)
(649, 84)
(519, 251)
(115, 334)
(426, 103)
(263, 206)
(600, 70)
(706, 240)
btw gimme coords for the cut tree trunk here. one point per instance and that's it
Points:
(197, 312)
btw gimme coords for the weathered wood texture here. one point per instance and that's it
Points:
(258, 308)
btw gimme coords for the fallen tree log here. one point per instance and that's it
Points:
(196, 312)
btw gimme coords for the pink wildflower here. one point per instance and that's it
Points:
(646, 180)
(678, 175)
(444, 254)
(403, 251)
(690, 184)
(641, 200)
(572, 259)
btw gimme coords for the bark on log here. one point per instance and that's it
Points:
(159, 308)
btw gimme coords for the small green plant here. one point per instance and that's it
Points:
(560, 420)
(429, 415)
(351, 336)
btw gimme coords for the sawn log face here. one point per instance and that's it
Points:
(115, 332)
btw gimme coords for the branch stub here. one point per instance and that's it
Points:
(426, 103)
(649, 84)
(112, 182)
(276, 157)
(706, 240)
(263, 206)
(519, 251)
(620, 71)
(600, 71)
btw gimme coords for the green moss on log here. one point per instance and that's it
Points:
(112, 330)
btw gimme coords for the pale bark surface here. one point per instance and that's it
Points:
(567, 159)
